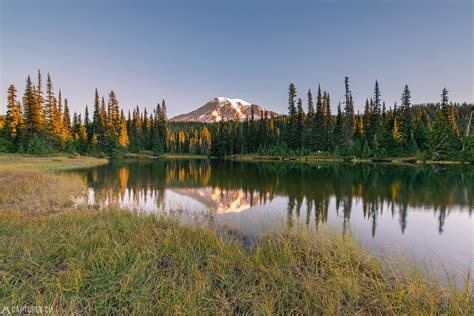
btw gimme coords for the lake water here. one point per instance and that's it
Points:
(423, 212)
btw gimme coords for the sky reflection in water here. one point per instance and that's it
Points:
(424, 211)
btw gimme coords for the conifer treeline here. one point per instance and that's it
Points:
(41, 123)
(432, 131)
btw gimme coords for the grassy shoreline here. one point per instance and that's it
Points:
(18, 162)
(122, 262)
(82, 260)
(183, 156)
(149, 155)
(331, 158)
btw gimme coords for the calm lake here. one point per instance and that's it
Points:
(423, 212)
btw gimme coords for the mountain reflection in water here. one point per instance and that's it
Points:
(229, 187)
(421, 210)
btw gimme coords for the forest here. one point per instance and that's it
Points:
(41, 123)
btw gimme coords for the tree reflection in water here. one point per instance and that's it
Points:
(229, 186)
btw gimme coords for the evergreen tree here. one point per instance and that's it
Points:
(157, 145)
(13, 116)
(339, 140)
(308, 126)
(49, 101)
(449, 112)
(60, 103)
(57, 123)
(444, 99)
(292, 133)
(123, 138)
(367, 119)
(439, 142)
(100, 129)
(328, 122)
(96, 119)
(146, 130)
(433, 129)
(137, 129)
(376, 111)
(112, 119)
(406, 122)
(82, 139)
(163, 125)
(87, 122)
(66, 126)
(299, 124)
(39, 100)
(33, 115)
(420, 133)
(310, 114)
(318, 135)
(245, 136)
(75, 124)
(348, 128)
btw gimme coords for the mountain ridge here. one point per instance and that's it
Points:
(223, 108)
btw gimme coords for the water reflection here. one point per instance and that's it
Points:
(231, 187)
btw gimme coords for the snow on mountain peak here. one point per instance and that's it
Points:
(222, 108)
(234, 102)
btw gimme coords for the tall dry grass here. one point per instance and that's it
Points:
(120, 262)
(115, 261)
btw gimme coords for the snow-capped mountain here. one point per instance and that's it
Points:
(221, 108)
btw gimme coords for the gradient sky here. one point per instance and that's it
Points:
(190, 51)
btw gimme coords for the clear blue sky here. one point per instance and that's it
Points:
(190, 51)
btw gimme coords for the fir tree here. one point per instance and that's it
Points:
(123, 138)
(328, 122)
(82, 139)
(439, 142)
(66, 126)
(430, 128)
(33, 114)
(449, 112)
(146, 130)
(156, 143)
(318, 135)
(57, 123)
(308, 127)
(87, 122)
(96, 114)
(13, 116)
(310, 114)
(348, 126)
(49, 101)
(339, 140)
(406, 128)
(39, 100)
(367, 119)
(292, 137)
(299, 124)
(163, 125)
(60, 103)
(376, 112)
(100, 126)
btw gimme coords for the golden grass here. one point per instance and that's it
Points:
(16, 162)
(34, 192)
(85, 261)
(114, 262)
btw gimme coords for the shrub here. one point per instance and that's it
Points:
(37, 146)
